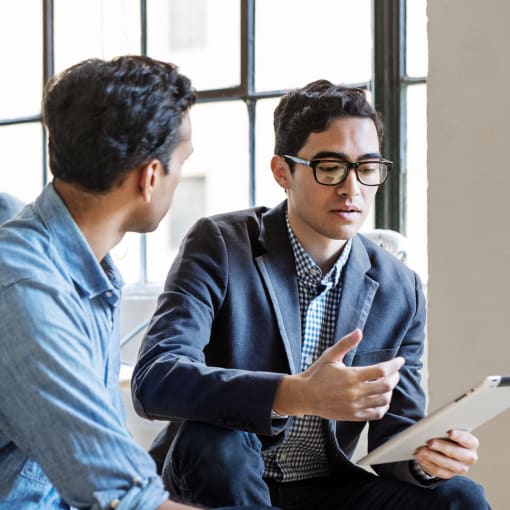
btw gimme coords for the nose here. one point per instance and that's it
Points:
(350, 186)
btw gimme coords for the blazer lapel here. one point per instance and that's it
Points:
(274, 263)
(358, 291)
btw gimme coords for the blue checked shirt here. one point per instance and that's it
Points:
(303, 455)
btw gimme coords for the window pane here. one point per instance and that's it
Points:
(215, 179)
(416, 178)
(21, 149)
(200, 36)
(20, 54)
(298, 43)
(417, 49)
(268, 192)
(127, 257)
(95, 28)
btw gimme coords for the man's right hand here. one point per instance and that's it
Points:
(332, 390)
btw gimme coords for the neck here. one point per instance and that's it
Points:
(325, 258)
(97, 215)
(323, 250)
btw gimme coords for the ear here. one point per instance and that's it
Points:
(281, 171)
(149, 174)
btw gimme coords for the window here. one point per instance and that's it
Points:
(241, 55)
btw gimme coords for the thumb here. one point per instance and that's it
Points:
(337, 352)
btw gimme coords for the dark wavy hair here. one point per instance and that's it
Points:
(105, 118)
(311, 109)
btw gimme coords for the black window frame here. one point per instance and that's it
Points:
(388, 86)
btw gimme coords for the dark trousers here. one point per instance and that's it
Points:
(218, 467)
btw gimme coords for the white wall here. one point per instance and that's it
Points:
(469, 182)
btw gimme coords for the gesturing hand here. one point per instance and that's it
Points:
(332, 390)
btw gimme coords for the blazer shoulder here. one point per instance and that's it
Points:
(250, 223)
(385, 264)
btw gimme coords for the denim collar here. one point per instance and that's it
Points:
(92, 277)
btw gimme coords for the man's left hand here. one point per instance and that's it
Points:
(446, 458)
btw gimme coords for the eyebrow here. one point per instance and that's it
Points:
(343, 156)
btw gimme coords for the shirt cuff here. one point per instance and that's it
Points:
(147, 493)
(420, 474)
(278, 416)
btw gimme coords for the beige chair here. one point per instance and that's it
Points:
(392, 241)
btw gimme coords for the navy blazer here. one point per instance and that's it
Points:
(227, 327)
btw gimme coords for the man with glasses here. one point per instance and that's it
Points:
(282, 332)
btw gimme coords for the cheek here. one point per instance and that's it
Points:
(369, 196)
(172, 183)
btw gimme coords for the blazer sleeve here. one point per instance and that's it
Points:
(171, 379)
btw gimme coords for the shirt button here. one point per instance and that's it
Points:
(309, 360)
(283, 456)
(115, 503)
(109, 294)
(315, 271)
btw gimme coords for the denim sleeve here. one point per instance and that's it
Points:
(55, 406)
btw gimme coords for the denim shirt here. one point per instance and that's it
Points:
(63, 439)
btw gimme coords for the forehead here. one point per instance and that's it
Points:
(347, 135)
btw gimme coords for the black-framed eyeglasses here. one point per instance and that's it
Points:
(331, 172)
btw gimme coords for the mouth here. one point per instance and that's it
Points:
(347, 210)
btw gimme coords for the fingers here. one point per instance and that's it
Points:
(464, 438)
(374, 411)
(375, 397)
(438, 465)
(381, 370)
(377, 382)
(446, 458)
(336, 353)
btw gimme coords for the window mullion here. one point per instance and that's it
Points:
(248, 85)
(48, 71)
(389, 53)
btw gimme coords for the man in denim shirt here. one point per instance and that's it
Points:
(119, 133)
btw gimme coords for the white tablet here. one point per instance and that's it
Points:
(470, 410)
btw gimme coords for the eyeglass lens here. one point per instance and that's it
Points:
(330, 172)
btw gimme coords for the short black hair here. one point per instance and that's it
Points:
(311, 109)
(107, 117)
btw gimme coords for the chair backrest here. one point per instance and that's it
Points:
(391, 240)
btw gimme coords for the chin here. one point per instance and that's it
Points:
(344, 234)
(150, 228)
(144, 228)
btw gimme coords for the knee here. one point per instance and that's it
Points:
(205, 462)
(229, 451)
(461, 493)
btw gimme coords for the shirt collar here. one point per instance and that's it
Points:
(68, 240)
(308, 271)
